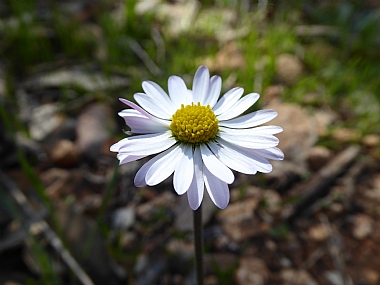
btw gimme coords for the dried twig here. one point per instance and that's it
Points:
(144, 56)
(317, 30)
(335, 246)
(38, 223)
(319, 185)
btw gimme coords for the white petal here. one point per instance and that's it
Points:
(217, 189)
(264, 130)
(271, 130)
(189, 98)
(228, 100)
(154, 106)
(156, 93)
(164, 166)
(201, 84)
(125, 158)
(116, 146)
(140, 180)
(250, 141)
(196, 189)
(250, 120)
(140, 124)
(239, 107)
(145, 113)
(257, 162)
(177, 91)
(215, 166)
(214, 91)
(232, 158)
(147, 144)
(271, 153)
(184, 171)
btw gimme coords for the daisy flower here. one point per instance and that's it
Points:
(197, 136)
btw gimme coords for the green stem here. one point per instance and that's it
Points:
(198, 241)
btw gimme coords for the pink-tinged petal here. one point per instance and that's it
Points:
(258, 141)
(147, 144)
(178, 91)
(239, 107)
(228, 100)
(154, 106)
(264, 130)
(184, 171)
(164, 166)
(140, 124)
(196, 189)
(145, 113)
(232, 158)
(214, 91)
(217, 189)
(201, 84)
(250, 120)
(215, 166)
(157, 94)
(271, 153)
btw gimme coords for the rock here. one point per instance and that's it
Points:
(284, 173)
(87, 245)
(323, 50)
(44, 120)
(335, 278)
(150, 268)
(346, 135)
(299, 134)
(178, 18)
(65, 153)
(371, 276)
(128, 240)
(324, 119)
(229, 57)
(252, 271)
(183, 221)
(183, 251)
(218, 23)
(58, 182)
(238, 194)
(93, 129)
(273, 94)
(124, 218)
(224, 260)
(297, 277)
(371, 141)
(166, 200)
(288, 68)
(238, 219)
(318, 157)
(362, 226)
(272, 201)
(319, 233)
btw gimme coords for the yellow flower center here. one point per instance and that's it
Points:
(194, 124)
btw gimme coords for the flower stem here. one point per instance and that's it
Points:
(198, 240)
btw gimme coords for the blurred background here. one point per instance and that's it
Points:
(70, 215)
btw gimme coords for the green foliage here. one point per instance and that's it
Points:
(279, 232)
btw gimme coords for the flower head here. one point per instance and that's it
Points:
(197, 136)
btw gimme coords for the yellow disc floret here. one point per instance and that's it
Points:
(194, 124)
